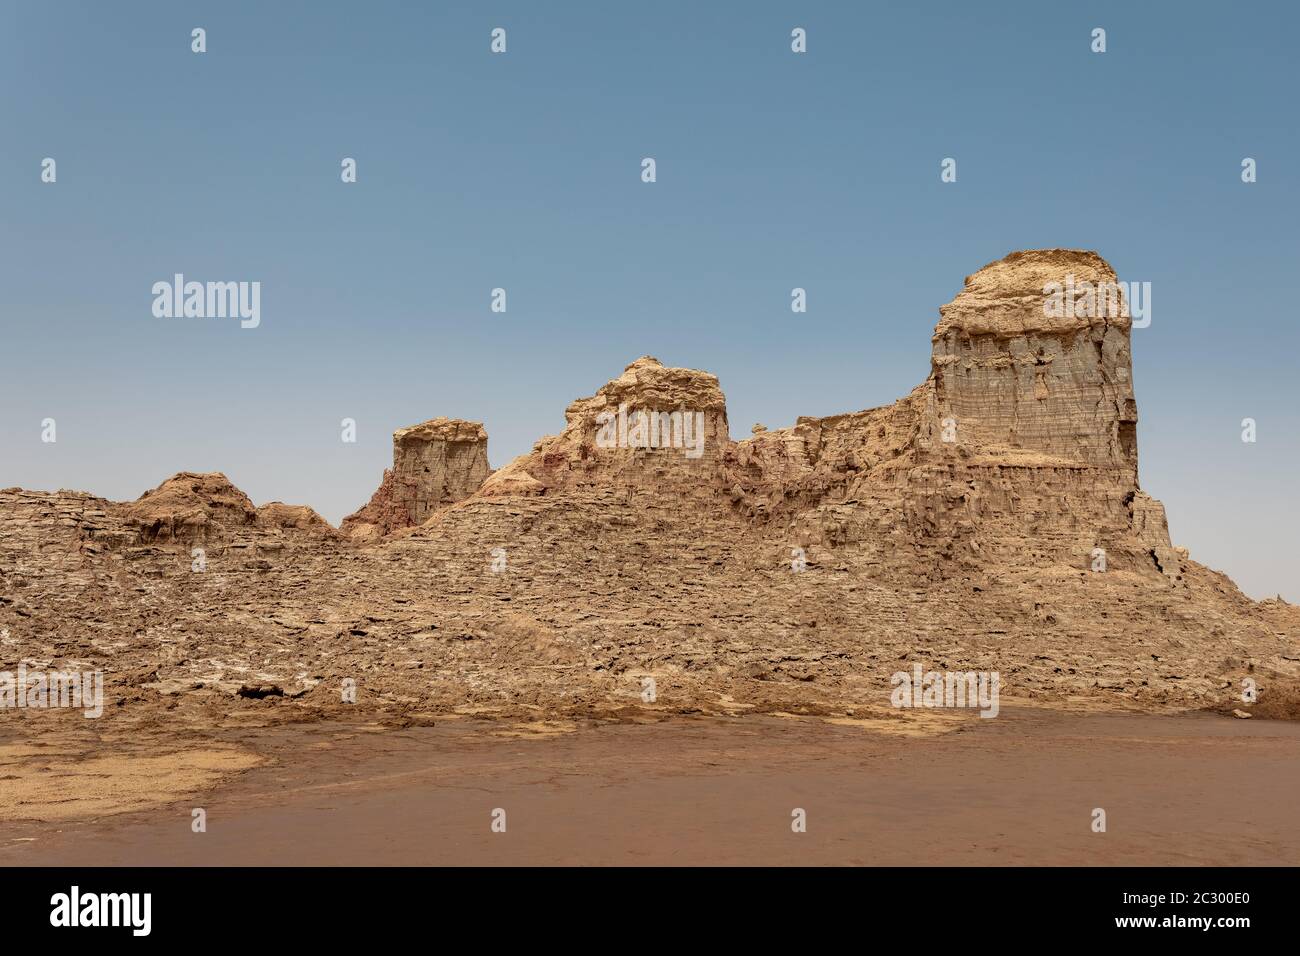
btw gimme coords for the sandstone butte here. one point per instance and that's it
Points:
(554, 586)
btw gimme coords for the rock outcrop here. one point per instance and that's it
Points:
(1023, 435)
(435, 464)
(648, 425)
(190, 507)
(206, 508)
(1060, 384)
(991, 519)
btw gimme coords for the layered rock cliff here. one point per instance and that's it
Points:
(650, 424)
(435, 464)
(992, 519)
(1020, 446)
(1022, 378)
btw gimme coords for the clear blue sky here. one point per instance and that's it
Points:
(522, 171)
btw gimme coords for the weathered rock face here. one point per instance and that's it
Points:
(203, 508)
(650, 424)
(435, 464)
(1059, 384)
(277, 514)
(1019, 448)
(1016, 540)
(190, 507)
(1023, 437)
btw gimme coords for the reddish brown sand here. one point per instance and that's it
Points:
(1019, 789)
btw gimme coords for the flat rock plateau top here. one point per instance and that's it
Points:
(958, 528)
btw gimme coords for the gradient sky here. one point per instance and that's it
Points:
(522, 171)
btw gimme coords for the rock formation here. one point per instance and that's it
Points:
(197, 508)
(1061, 386)
(646, 424)
(435, 464)
(992, 519)
(1024, 434)
(190, 507)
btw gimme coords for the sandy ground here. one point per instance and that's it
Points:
(1019, 789)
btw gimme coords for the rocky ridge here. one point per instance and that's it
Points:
(795, 570)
